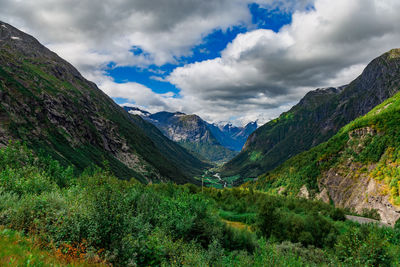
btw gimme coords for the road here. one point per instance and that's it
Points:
(363, 220)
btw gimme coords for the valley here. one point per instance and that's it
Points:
(85, 181)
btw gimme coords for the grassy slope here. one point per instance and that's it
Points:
(380, 147)
(275, 139)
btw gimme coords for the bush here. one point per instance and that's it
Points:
(363, 246)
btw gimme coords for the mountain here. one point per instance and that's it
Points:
(215, 143)
(192, 133)
(46, 103)
(316, 118)
(231, 136)
(182, 158)
(358, 168)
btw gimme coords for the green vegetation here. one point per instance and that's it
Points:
(97, 216)
(371, 140)
(211, 178)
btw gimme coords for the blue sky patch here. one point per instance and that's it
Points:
(271, 19)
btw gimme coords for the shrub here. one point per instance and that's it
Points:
(363, 246)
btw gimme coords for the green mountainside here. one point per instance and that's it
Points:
(48, 104)
(316, 118)
(357, 168)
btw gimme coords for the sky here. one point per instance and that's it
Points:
(224, 60)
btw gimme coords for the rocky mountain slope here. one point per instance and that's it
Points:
(316, 118)
(212, 142)
(48, 104)
(358, 168)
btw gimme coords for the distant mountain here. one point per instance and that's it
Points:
(46, 103)
(316, 118)
(232, 137)
(193, 133)
(210, 141)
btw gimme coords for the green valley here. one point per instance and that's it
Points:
(125, 222)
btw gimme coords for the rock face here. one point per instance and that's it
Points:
(48, 104)
(180, 127)
(348, 187)
(359, 193)
(304, 192)
(316, 118)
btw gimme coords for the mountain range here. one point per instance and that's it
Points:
(212, 142)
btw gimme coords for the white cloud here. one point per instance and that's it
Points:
(265, 71)
(165, 30)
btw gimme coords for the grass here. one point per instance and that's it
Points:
(19, 250)
(237, 225)
(248, 217)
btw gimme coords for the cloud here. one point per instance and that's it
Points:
(165, 30)
(260, 74)
(265, 71)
